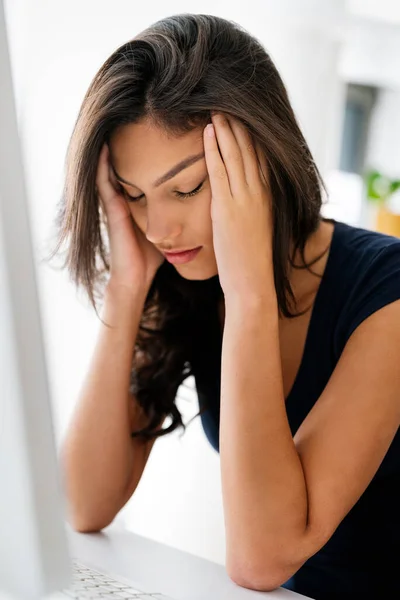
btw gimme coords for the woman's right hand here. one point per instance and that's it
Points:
(134, 260)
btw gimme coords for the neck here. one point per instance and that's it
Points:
(304, 283)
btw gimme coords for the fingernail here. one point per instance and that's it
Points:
(210, 130)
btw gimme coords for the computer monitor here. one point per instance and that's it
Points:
(34, 556)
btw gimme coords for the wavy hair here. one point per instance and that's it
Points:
(176, 72)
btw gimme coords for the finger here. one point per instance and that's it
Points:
(248, 151)
(262, 164)
(100, 165)
(103, 181)
(111, 174)
(231, 153)
(215, 166)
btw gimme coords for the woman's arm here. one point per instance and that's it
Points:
(284, 498)
(264, 490)
(98, 457)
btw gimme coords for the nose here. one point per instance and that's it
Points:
(162, 226)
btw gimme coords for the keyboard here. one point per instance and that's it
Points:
(91, 584)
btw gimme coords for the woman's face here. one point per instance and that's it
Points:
(142, 153)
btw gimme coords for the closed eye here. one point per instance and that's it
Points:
(179, 194)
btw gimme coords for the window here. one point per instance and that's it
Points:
(360, 100)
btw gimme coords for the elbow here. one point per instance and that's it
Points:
(272, 566)
(255, 582)
(88, 519)
(262, 579)
(81, 525)
(264, 582)
(86, 528)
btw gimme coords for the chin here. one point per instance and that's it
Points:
(193, 274)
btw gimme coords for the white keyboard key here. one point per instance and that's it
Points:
(90, 584)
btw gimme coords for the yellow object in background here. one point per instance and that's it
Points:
(387, 222)
(380, 190)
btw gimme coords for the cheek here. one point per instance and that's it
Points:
(139, 216)
(203, 215)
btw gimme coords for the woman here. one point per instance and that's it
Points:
(289, 322)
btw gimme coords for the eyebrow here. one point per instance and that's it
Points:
(183, 164)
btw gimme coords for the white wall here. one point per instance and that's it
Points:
(381, 10)
(56, 49)
(370, 57)
(371, 52)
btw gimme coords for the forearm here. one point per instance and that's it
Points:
(97, 450)
(264, 490)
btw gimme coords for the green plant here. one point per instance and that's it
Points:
(379, 187)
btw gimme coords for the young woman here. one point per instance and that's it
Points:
(289, 322)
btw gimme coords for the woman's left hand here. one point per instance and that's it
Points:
(241, 210)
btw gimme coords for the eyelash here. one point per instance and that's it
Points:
(179, 194)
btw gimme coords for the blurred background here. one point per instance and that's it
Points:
(340, 62)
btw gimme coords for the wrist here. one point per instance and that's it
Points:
(133, 292)
(252, 302)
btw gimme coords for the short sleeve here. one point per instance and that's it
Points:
(376, 286)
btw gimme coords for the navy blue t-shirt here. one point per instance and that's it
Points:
(362, 274)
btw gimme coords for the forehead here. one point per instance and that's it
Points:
(143, 146)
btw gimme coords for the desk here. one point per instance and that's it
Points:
(156, 567)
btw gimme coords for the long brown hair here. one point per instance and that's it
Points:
(175, 72)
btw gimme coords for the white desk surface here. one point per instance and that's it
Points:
(156, 567)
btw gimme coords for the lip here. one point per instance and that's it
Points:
(182, 257)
